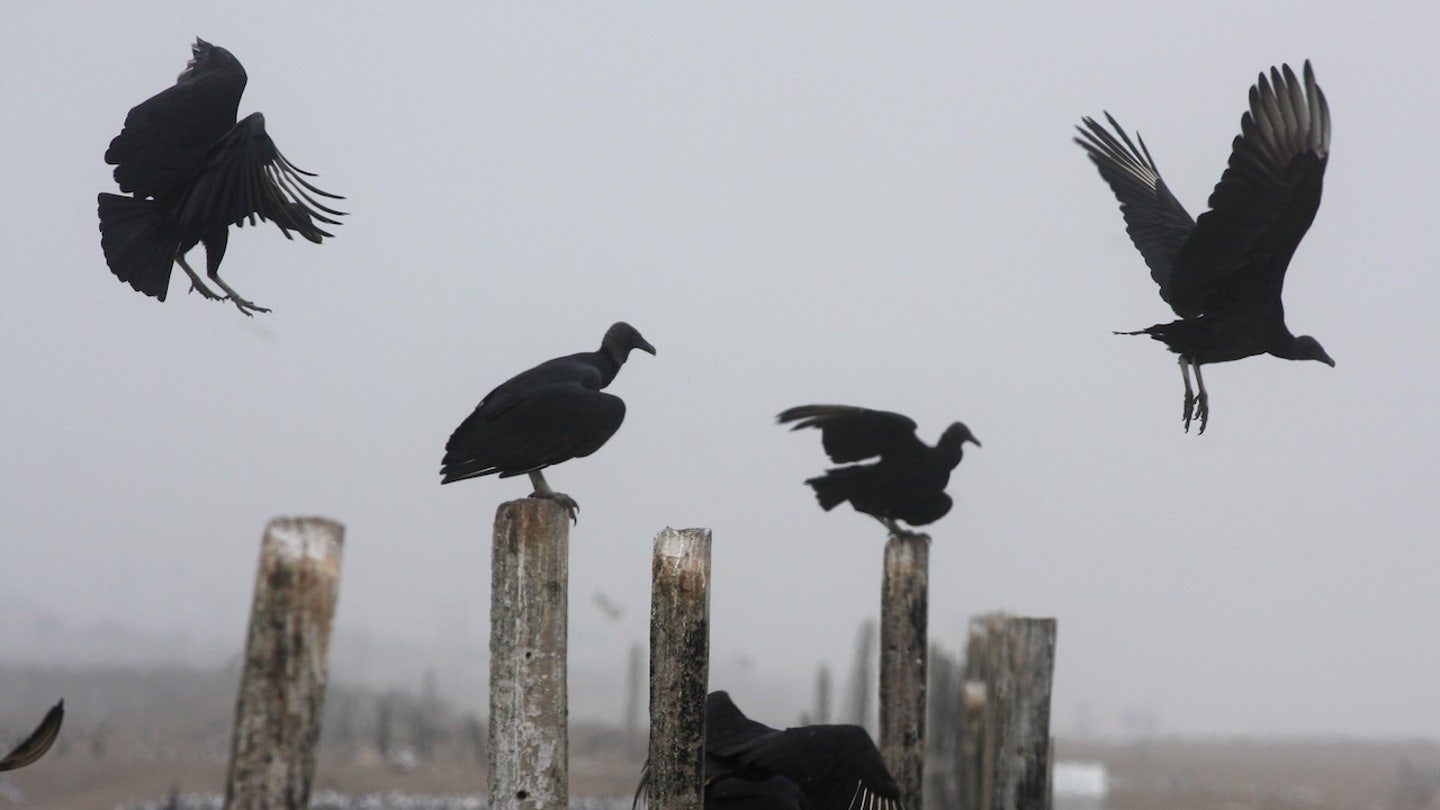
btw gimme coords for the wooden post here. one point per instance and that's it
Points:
(904, 611)
(1009, 667)
(529, 747)
(679, 667)
(975, 773)
(282, 686)
(1023, 662)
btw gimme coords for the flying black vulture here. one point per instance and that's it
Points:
(906, 483)
(751, 766)
(552, 413)
(1223, 273)
(39, 741)
(194, 172)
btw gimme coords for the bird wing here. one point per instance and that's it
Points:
(849, 433)
(836, 766)
(167, 137)
(1265, 200)
(1157, 223)
(245, 176)
(541, 426)
(38, 742)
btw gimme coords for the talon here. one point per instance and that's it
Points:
(571, 507)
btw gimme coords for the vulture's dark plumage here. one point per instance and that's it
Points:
(554, 412)
(39, 741)
(751, 766)
(1223, 274)
(906, 481)
(192, 171)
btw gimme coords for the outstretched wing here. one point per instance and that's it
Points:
(167, 137)
(38, 742)
(246, 176)
(1267, 197)
(1157, 223)
(851, 434)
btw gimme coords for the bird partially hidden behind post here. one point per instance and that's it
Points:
(1223, 274)
(751, 766)
(34, 746)
(193, 171)
(908, 479)
(554, 412)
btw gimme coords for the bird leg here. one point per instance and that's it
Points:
(894, 528)
(195, 284)
(1189, 392)
(543, 490)
(234, 297)
(1202, 401)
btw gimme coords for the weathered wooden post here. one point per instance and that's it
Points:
(1010, 666)
(529, 747)
(904, 613)
(1023, 663)
(679, 667)
(282, 686)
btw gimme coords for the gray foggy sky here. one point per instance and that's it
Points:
(801, 203)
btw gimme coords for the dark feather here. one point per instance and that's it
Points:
(39, 741)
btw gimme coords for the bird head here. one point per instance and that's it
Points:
(1308, 348)
(957, 434)
(204, 58)
(621, 338)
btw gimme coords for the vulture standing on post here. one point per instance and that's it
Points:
(33, 747)
(751, 766)
(1223, 274)
(908, 480)
(554, 412)
(193, 172)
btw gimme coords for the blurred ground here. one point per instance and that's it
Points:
(133, 737)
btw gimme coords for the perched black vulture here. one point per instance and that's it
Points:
(193, 172)
(39, 741)
(552, 413)
(906, 483)
(751, 766)
(1223, 274)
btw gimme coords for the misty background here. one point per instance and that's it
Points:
(879, 206)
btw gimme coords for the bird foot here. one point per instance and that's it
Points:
(1197, 408)
(244, 306)
(571, 507)
(205, 292)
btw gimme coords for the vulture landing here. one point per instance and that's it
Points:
(552, 413)
(193, 171)
(751, 766)
(1223, 274)
(908, 480)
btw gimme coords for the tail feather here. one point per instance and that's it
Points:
(138, 248)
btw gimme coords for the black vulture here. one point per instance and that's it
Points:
(906, 483)
(552, 413)
(1223, 274)
(193, 172)
(751, 766)
(39, 741)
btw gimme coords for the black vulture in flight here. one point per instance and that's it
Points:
(1223, 274)
(751, 766)
(193, 172)
(39, 741)
(552, 413)
(906, 483)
